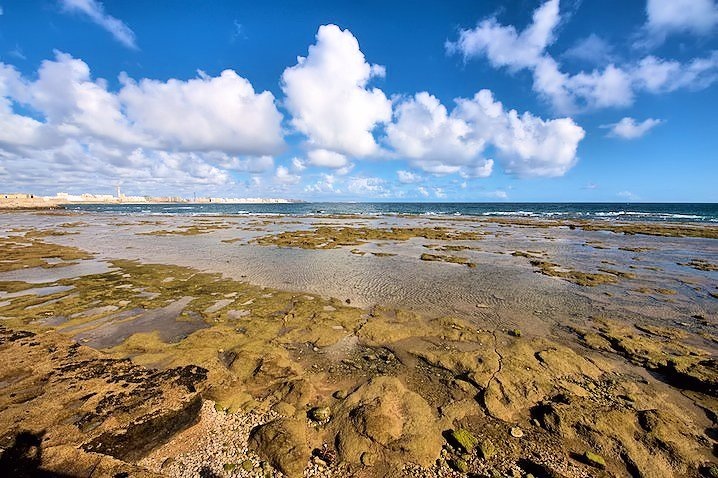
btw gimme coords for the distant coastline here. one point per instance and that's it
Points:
(19, 201)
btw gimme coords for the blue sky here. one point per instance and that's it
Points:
(522, 100)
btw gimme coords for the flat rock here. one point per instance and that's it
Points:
(66, 408)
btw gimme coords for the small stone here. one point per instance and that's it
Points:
(319, 462)
(367, 459)
(229, 467)
(464, 438)
(515, 333)
(247, 465)
(595, 460)
(219, 408)
(320, 414)
(516, 432)
(167, 462)
(487, 450)
(340, 394)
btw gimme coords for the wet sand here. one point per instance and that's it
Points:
(463, 344)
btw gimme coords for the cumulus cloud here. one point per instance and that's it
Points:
(433, 140)
(442, 142)
(407, 177)
(629, 128)
(326, 184)
(613, 86)
(665, 17)
(282, 175)
(366, 186)
(95, 11)
(205, 113)
(328, 96)
(140, 132)
(324, 158)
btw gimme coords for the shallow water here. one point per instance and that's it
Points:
(501, 290)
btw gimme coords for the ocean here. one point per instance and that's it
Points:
(663, 212)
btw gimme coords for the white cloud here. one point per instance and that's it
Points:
(629, 128)
(613, 86)
(80, 128)
(407, 177)
(504, 46)
(206, 113)
(430, 138)
(440, 142)
(95, 11)
(439, 193)
(422, 190)
(252, 164)
(323, 185)
(366, 186)
(326, 159)
(497, 194)
(282, 175)
(665, 17)
(328, 97)
(298, 165)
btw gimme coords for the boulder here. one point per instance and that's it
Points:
(382, 418)
(284, 444)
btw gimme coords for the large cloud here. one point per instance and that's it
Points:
(440, 142)
(171, 134)
(328, 96)
(665, 17)
(613, 86)
(204, 114)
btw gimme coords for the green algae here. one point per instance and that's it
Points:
(589, 279)
(20, 252)
(192, 230)
(325, 237)
(449, 259)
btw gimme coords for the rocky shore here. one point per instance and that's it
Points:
(120, 367)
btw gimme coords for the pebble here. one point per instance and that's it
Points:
(516, 432)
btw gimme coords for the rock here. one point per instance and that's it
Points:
(594, 460)
(320, 414)
(384, 418)
(283, 443)
(516, 432)
(92, 407)
(648, 419)
(247, 465)
(340, 395)
(229, 467)
(463, 438)
(487, 449)
(460, 465)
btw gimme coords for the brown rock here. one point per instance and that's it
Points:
(385, 419)
(78, 401)
(284, 444)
